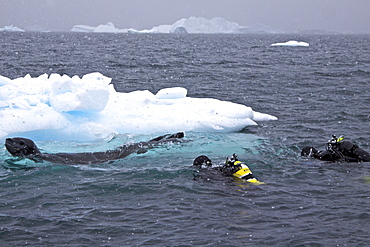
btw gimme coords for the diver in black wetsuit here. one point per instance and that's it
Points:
(338, 150)
(232, 167)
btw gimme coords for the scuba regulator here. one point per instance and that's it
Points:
(333, 147)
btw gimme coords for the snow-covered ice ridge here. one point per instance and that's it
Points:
(185, 25)
(59, 107)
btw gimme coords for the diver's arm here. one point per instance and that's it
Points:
(328, 156)
(322, 155)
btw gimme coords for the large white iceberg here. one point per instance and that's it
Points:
(11, 28)
(186, 25)
(73, 108)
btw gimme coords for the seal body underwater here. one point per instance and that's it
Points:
(26, 148)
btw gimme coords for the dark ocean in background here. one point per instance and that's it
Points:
(155, 199)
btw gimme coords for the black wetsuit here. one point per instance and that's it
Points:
(341, 151)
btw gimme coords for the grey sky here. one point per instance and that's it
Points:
(289, 15)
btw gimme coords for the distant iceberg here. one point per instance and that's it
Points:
(186, 25)
(104, 28)
(199, 25)
(11, 28)
(292, 43)
(72, 108)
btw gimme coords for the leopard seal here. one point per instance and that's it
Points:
(26, 148)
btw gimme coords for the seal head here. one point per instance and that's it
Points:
(21, 147)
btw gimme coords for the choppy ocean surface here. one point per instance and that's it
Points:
(158, 198)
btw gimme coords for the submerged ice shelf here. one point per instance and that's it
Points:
(59, 107)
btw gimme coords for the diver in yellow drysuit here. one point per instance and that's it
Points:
(232, 167)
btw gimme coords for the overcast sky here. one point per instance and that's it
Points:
(289, 15)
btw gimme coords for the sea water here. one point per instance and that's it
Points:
(158, 198)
